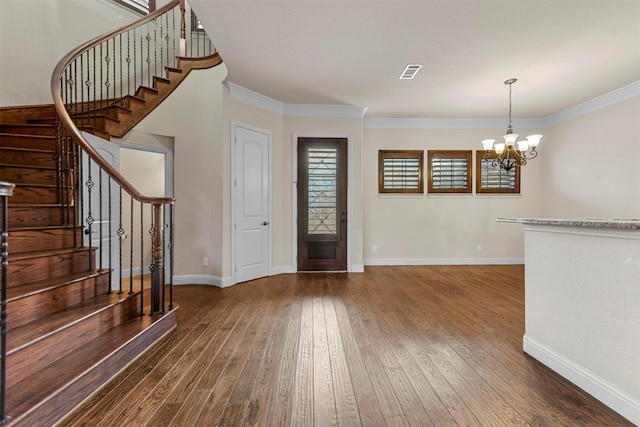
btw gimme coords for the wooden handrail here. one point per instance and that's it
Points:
(61, 110)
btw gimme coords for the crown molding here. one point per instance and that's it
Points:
(314, 110)
(250, 97)
(311, 110)
(615, 96)
(419, 123)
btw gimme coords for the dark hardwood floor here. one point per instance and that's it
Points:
(408, 345)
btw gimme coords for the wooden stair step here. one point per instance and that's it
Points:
(43, 238)
(33, 346)
(38, 142)
(73, 316)
(34, 193)
(39, 299)
(41, 399)
(34, 215)
(28, 129)
(144, 92)
(27, 156)
(27, 174)
(34, 266)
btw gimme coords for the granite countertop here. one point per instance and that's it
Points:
(628, 224)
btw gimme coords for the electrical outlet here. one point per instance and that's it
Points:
(205, 262)
(479, 248)
(374, 248)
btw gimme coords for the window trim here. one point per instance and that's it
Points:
(480, 190)
(399, 154)
(450, 154)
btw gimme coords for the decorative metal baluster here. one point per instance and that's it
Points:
(173, 16)
(115, 80)
(141, 259)
(93, 84)
(171, 257)
(155, 48)
(161, 45)
(148, 38)
(129, 90)
(80, 192)
(164, 257)
(131, 250)
(120, 56)
(90, 218)
(102, 98)
(110, 235)
(75, 107)
(100, 218)
(135, 74)
(107, 59)
(120, 239)
(6, 190)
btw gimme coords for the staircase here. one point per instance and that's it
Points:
(68, 333)
(71, 324)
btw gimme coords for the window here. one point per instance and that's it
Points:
(400, 171)
(449, 171)
(494, 179)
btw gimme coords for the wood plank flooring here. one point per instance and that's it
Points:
(395, 346)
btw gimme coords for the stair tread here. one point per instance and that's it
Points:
(40, 328)
(36, 388)
(27, 150)
(26, 135)
(17, 292)
(26, 184)
(11, 165)
(41, 228)
(50, 252)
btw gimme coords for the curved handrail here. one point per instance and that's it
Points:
(65, 118)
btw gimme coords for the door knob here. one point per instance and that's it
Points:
(265, 223)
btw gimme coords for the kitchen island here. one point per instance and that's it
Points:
(582, 304)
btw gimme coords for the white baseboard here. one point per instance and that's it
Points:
(202, 279)
(585, 380)
(443, 261)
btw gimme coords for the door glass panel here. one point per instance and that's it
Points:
(322, 191)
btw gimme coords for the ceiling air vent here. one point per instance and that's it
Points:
(410, 71)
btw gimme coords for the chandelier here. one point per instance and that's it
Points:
(511, 153)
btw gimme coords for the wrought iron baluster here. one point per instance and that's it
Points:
(90, 218)
(120, 57)
(120, 239)
(110, 234)
(141, 259)
(171, 257)
(131, 250)
(115, 80)
(100, 219)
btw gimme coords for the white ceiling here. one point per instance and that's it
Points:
(352, 52)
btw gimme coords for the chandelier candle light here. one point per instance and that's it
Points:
(511, 153)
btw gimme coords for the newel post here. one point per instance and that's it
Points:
(157, 269)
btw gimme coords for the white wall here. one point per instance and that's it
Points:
(591, 164)
(36, 34)
(443, 228)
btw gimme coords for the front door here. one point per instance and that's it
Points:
(251, 195)
(322, 204)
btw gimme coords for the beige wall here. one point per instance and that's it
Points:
(592, 164)
(43, 30)
(192, 115)
(442, 228)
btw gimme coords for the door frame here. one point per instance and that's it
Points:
(234, 196)
(168, 192)
(294, 213)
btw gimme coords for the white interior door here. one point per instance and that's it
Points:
(251, 199)
(104, 214)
